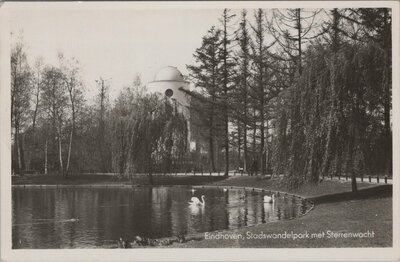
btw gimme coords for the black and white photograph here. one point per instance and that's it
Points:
(156, 126)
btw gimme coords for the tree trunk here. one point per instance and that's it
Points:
(69, 151)
(211, 145)
(254, 131)
(36, 110)
(45, 158)
(225, 86)
(338, 163)
(72, 129)
(226, 143)
(239, 145)
(267, 153)
(217, 155)
(101, 134)
(22, 150)
(150, 170)
(262, 128)
(36, 104)
(388, 84)
(122, 150)
(313, 173)
(350, 163)
(354, 183)
(388, 133)
(18, 150)
(211, 140)
(60, 151)
(245, 95)
(299, 40)
(260, 83)
(328, 146)
(245, 145)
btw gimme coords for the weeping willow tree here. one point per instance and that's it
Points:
(170, 136)
(336, 125)
(148, 133)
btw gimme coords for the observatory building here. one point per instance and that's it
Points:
(169, 81)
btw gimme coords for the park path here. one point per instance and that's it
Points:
(371, 180)
(365, 179)
(343, 178)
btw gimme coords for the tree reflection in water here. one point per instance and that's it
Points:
(106, 214)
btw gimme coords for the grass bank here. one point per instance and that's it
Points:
(363, 215)
(371, 211)
(307, 190)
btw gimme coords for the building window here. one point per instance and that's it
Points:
(169, 92)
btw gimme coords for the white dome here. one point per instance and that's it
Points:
(169, 73)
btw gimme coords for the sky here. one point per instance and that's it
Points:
(116, 43)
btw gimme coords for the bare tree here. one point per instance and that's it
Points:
(37, 90)
(70, 73)
(55, 99)
(103, 95)
(20, 96)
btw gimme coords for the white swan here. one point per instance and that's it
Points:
(225, 189)
(196, 201)
(268, 199)
(196, 210)
(269, 210)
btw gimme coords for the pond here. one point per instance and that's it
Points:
(85, 217)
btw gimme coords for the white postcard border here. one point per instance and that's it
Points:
(169, 254)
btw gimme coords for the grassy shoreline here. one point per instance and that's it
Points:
(371, 210)
(307, 190)
(342, 217)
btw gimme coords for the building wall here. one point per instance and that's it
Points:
(162, 86)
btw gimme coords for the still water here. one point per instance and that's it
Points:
(97, 217)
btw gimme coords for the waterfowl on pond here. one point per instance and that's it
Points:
(268, 199)
(196, 210)
(196, 201)
(225, 189)
(180, 238)
(141, 241)
(268, 210)
(127, 244)
(123, 243)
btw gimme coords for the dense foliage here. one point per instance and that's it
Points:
(295, 93)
